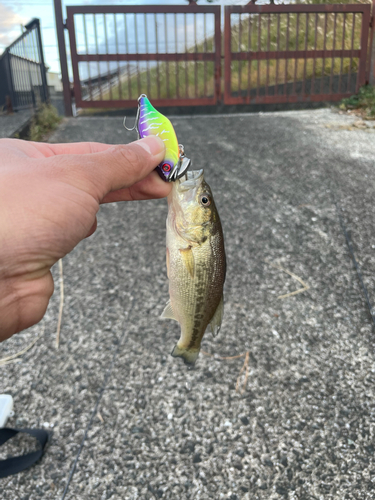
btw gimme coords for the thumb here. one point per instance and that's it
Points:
(118, 167)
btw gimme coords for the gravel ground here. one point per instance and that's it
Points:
(289, 187)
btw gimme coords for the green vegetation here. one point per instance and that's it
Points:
(364, 102)
(255, 33)
(288, 33)
(45, 120)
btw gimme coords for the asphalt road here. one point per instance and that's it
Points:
(292, 188)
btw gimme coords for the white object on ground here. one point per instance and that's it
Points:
(6, 408)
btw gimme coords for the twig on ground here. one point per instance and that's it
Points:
(61, 280)
(300, 290)
(14, 357)
(245, 367)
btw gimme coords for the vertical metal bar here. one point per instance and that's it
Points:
(249, 61)
(364, 43)
(305, 60)
(73, 51)
(268, 49)
(63, 59)
(137, 51)
(107, 52)
(342, 48)
(98, 64)
(16, 72)
(258, 61)
(286, 58)
(127, 62)
(205, 51)
(118, 62)
(10, 87)
(195, 50)
(324, 48)
(87, 51)
(277, 60)
(314, 62)
(147, 62)
(227, 54)
(351, 54)
(166, 51)
(186, 63)
(371, 69)
(239, 50)
(176, 50)
(333, 48)
(157, 51)
(218, 55)
(26, 65)
(296, 60)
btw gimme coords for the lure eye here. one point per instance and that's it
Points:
(205, 200)
(166, 167)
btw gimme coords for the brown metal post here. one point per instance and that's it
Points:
(371, 79)
(364, 46)
(63, 60)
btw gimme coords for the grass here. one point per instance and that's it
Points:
(363, 102)
(44, 122)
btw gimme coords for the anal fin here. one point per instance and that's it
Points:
(168, 312)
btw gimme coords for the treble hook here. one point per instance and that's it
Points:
(135, 126)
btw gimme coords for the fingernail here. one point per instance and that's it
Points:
(152, 144)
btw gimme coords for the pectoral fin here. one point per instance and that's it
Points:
(168, 312)
(217, 318)
(188, 260)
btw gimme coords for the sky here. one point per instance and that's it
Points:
(14, 13)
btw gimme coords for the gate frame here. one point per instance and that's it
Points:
(192, 8)
(251, 8)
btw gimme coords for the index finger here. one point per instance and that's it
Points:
(74, 148)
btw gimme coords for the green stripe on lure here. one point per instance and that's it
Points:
(150, 122)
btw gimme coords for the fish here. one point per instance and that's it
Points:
(196, 263)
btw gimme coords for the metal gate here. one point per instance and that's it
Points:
(23, 82)
(291, 53)
(170, 53)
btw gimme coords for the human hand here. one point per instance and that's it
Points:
(49, 197)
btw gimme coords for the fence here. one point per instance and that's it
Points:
(272, 53)
(290, 53)
(172, 53)
(24, 83)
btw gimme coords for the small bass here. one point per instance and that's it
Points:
(195, 263)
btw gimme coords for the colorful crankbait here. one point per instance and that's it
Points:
(150, 122)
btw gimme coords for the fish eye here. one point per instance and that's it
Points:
(205, 200)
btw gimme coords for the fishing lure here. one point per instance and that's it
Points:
(150, 122)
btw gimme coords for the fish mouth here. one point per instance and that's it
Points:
(191, 180)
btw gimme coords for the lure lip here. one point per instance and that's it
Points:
(176, 171)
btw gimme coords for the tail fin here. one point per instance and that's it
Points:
(188, 355)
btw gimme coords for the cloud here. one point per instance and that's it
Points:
(10, 23)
